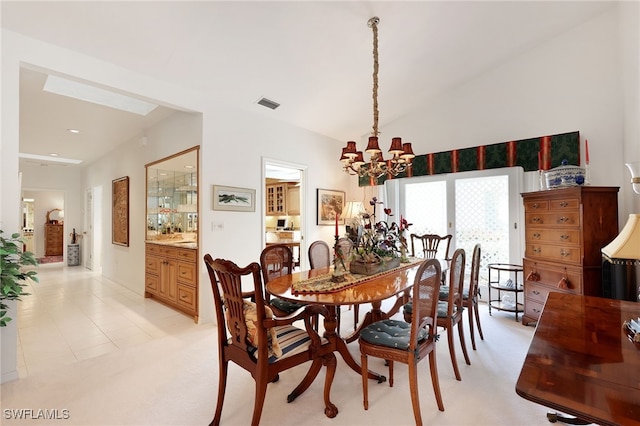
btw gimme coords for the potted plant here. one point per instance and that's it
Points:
(12, 271)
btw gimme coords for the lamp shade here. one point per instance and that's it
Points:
(627, 244)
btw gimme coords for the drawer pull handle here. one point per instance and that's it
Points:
(535, 205)
(564, 219)
(564, 237)
(565, 253)
(536, 235)
(537, 311)
(184, 296)
(564, 204)
(537, 250)
(536, 292)
(536, 219)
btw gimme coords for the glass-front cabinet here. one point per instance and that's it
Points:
(172, 202)
(171, 248)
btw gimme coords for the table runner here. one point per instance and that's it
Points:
(323, 284)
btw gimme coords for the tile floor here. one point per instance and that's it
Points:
(110, 357)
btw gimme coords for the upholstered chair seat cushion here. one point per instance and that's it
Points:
(390, 333)
(291, 340)
(444, 293)
(285, 306)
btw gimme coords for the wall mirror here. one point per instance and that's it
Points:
(172, 197)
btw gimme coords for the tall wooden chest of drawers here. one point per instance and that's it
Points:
(565, 229)
(53, 239)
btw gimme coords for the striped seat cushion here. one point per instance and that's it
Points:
(292, 340)
(390, 333)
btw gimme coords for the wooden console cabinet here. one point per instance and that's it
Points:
(53, 239)
(565, 229)
(171, 276)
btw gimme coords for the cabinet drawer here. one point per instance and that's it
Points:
(187, 273)
(536, 205)
(152, 265)
(564, 219)
(553, 253)
(558, 236)
(533, 308)
(564, 204)
(187, 254)
(151, 283)
(536, 292)
(187, 297)
(550, 275)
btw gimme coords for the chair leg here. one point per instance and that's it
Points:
(462, 342)
(470, 309)
(365, 381)
(477, 314)
(390, 363)
(329, 360)
(222, 385)
(452, 351)
(433, 367)
(261, 392)
(356, 316)
(413, 389)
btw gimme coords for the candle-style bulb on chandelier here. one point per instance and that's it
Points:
(402, 153)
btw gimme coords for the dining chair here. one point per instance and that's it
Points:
(394, 340)
(276, 260)
(250, 336)
(428, 246)
(319, 255)
(450, 311)
(470, 295)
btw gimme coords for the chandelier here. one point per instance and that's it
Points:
(353, 160)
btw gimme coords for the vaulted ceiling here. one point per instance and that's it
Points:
(312, 57)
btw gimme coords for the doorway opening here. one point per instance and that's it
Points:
(284, 211)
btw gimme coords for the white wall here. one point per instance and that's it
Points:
(570, 83)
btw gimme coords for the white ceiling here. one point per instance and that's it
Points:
(314, 58)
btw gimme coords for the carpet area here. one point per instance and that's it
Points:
(50, 259)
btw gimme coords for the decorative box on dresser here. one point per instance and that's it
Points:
(565, 229)
(171, 276)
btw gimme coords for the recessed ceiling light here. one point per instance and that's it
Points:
(73, 130)
(87, 93)
(53, 154)
(188, 167)
(49, 158)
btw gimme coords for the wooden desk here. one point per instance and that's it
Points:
(581, 362)
(373, 291)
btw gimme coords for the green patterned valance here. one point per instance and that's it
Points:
(545, 152)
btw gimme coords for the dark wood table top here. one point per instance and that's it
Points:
(581, 361)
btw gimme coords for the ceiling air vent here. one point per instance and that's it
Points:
(268, 103)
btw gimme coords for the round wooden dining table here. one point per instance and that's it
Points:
(373, 290)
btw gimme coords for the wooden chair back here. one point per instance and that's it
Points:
(319, 255)
(427, 245)
(276, 260)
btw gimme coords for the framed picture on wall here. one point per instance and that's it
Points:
(234, 199)
(120, 212)
(330, 204)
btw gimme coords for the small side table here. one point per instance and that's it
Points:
(73, 254)
(507, 290)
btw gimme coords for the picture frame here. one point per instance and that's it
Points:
(230, 198)
(120, 211)
(329, 202)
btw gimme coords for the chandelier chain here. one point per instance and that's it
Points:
(376, 65)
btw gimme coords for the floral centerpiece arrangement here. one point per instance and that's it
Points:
(381, 245)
